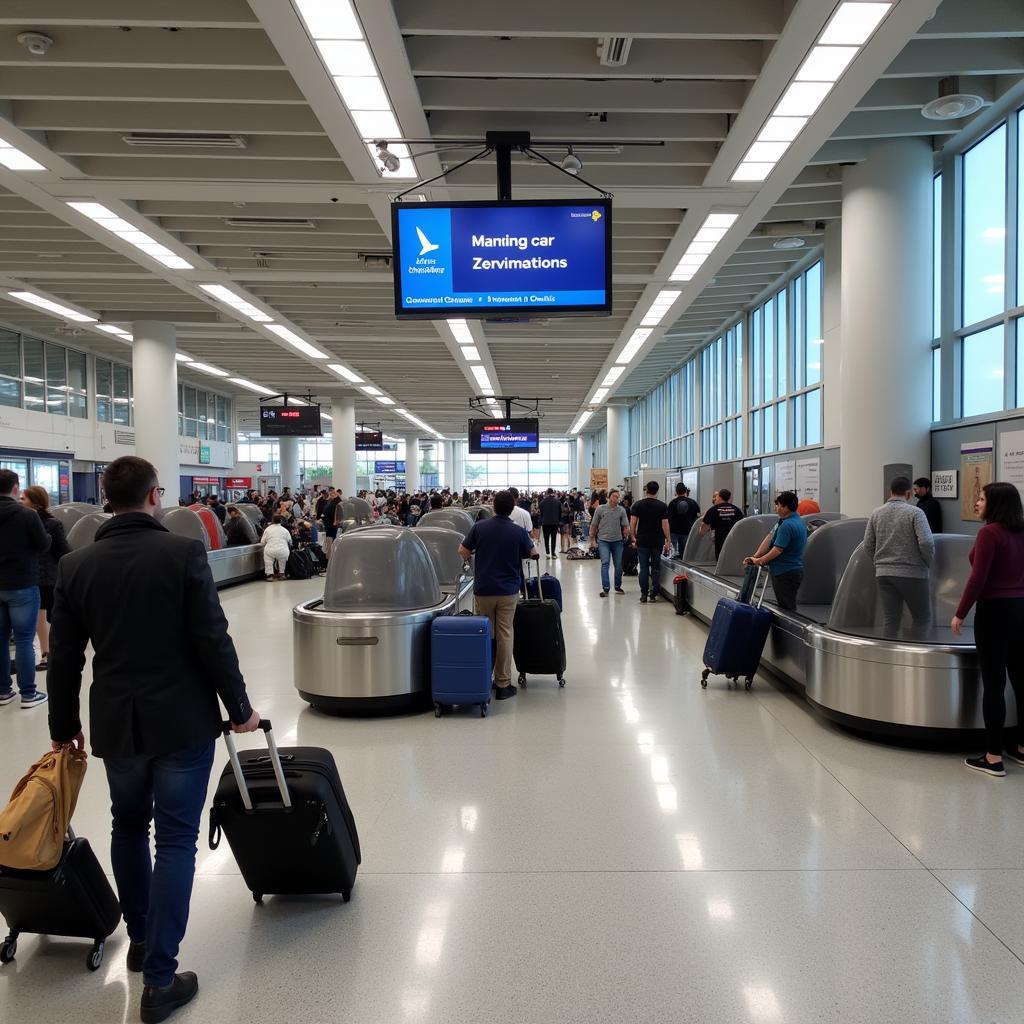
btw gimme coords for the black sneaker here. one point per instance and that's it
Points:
(653, 598)
(1016, 755)
(504, 692)
(7, 698)
(604, 593)
(619, 590)
(43, 665)
(981, 764)
(643, 599)
(136, 955)
(159, 1003)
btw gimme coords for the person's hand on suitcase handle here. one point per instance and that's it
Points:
(254, 723)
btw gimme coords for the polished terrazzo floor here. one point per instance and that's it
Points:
(631, 848)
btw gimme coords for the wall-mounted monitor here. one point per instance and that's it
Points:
(488, 437)
(369, 440)
(489, 260)
(290, 421)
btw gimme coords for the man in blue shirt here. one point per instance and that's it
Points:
(500, 547)
(783, 551)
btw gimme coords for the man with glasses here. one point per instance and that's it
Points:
(145, 599)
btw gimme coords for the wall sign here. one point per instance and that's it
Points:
(204, 455)
(976, 458)
(1011, 458)
(808, 479)
(944, 483)
(785, 476)
(599, 479)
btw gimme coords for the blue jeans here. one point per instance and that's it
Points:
(171, 791)
(679, 543)
(610, 549)
(18, 612)
(649, 568)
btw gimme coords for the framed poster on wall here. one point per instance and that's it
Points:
(599, 479)
(944, 483)
(1011, 458)
(976, 458)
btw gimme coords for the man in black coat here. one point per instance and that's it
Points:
(145, 599)
(22, 540)
(928, 504)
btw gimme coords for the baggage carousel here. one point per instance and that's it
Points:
(913, 685)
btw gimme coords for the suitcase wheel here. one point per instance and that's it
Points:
(522, 680)
(704, 678)
(561, 682)
(95, 957)
(257, 898)
(437, 710)
(346, 896)
(8, 949)
(483, 710)
(750, 683)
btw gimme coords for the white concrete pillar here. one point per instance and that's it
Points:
(412, 463)
(832, 335)
(288, 462)
(582, 463)
(458, 471)
(885, 372)
(343, 445)
(445, 478)
(618, 445)
(155, 384)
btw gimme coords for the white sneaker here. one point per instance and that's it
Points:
(7, 698)
(34, 701)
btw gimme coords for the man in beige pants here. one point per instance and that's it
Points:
(500, 547)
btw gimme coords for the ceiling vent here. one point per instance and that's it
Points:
(613, 51)
(286, 252)
(185, 140)
(789, 242)
(952, 104)
(288, 223)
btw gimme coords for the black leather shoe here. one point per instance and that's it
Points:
(136, 955)
(159, 1003)
(504, 692)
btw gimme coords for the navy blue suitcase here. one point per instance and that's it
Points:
(460, 661)
(550, 589)
(736, 639)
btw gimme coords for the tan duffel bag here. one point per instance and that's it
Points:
(36, 819)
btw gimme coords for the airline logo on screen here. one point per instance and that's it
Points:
(486, 257)
(501, 435)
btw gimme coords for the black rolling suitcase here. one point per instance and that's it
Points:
(73, 899)
(538, 646)
(286, 820)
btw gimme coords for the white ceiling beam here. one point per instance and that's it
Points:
(460, 57)
(878, 124)
(914, 93)
(740, 19)
(118, 13)
(937, 58)
(994, 19)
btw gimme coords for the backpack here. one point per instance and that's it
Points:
(630, 561)
(318, 556)
(300, 565)
(575, 554)
(35, 821)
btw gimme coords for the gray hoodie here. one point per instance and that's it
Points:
(899, 540)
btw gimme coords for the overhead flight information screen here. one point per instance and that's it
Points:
(489, 436)
(290, 421)
(493, 259)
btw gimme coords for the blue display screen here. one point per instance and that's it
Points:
(521, 436)
(489, 259)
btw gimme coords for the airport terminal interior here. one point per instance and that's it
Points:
(404, 249)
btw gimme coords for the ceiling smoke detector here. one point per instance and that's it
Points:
(792, 242)
(613, 51)
(37, 43)
(952, 104)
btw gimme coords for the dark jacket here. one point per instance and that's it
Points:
(146, 600)
(58, 549)
(550, 511)
(22, 541)
(932, 512)
(219, 510)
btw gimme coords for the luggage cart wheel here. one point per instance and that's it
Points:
(522, 679)
(257, 898)
(561, 682)
(750, 683)
(704, 678)
(8, 949)
(437, 710)
(95, 957)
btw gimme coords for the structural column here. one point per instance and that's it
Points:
(885, 368)
(412, 464)
(289, 462)
(582, 463)
(458, 471)
(618, 445)
(155, 385)
(343, 437)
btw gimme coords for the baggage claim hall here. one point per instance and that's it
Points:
(731, 294)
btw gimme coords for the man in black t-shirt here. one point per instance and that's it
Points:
(683, 512)
(648, 522)
(721, 517)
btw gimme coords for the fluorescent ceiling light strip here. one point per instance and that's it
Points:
(31, 299)
(371, 390)
(330, 19)
(182, 358)
(127, 232)
(461, 332)
(384, 400)
(14, 160)
(111, 329)
(344, 371)
(826, 63)
(362, 92)
(376, 124)
(853, 23)
(599, 395)
(471, 353)
(581, 420)
(480, 372)
(766, 152)
(802, 99)
(720, 220)
(214, 371)
(612, 376)
(489, 391)
(781, 129)
(293, 339)
(347, 57)
(258, 388)
(636, 340)
(752, 172)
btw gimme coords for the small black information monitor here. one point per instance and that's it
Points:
(520, 436)
(290, 421)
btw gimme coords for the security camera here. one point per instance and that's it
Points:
(571, 162)
(35, 42)
(387, 159)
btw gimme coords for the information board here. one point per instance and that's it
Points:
(490, 436)
(515, 258)
(290, 421)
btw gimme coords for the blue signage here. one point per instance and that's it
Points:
(485, 259)
(388, 468)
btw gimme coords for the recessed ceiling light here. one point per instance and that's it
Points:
(781, 129)
(371, 390)
(765, 152)
(118, 332)
(362, 92)
(600, 395)
(52, 307)
(471, 353)
(480, 372)
(347, 58)
(14, 160)
(826, 63)
(182, 358)
(258, 388)
(330, 19)
(613, 375)
(214, 371)
(344, 371)
(384, 400)
(752, 172)
(293, 339)
(802, 99)
(853, 23)
(127, 232)
(376, 124)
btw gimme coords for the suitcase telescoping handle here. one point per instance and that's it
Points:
(275, 760)
(528, 564)
(764, 585)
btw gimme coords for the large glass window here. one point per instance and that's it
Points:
(35, 374)
(122, 378)
(77, 390)
(936, 385)
(984, 228)
(10, 369)
(56, 381)
(982, 372)
(203, 415)
(937, 256)
(662, 425)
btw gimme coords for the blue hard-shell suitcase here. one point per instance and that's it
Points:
(460, 661)
(736, 639)
(550, 589)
